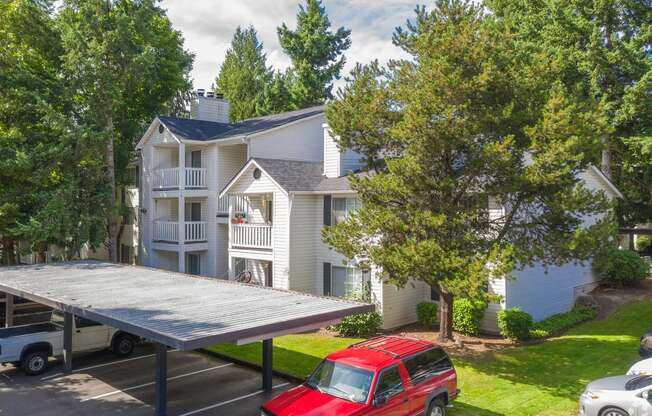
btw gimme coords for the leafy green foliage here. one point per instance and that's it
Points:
(474, 116)
(620, 267)
(315, 52)
(514, 324)
(467, 315)
(427, 313)
(557, 323)
(361, 325)
(643, 242)
(244, 76)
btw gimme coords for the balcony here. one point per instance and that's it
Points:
(169, 178)
(257, 236)
(168, 231)
(239, 205)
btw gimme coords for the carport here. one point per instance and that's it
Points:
(172, 309)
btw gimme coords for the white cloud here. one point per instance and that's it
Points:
(208, 25)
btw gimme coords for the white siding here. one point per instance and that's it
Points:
(338, 163)
(222, 251)
(230, 159)
(399, 306)
(302, 242)
(490, 321)
(300, 141)
(331, 155)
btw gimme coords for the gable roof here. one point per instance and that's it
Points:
(200, 130)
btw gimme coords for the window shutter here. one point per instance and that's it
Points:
(327, 279)
(327, 210)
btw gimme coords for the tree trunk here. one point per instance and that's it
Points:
(9, 251)
(606, 158)
(41, 252)
(445, 317)
(112, 227)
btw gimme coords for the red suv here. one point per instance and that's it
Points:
(388, 376)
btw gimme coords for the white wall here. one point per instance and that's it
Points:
(210, 109)
(399, 306)
(337, 163)
(300, 141)
(303, 234)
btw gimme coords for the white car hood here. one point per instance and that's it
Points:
(643, 367)
(609, 383)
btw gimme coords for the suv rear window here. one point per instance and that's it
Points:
(427, 364)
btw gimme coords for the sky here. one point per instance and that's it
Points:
(208, 26)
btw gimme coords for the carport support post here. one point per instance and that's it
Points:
(161, 380)
(9, 310)
(267, 364)
(67, 342)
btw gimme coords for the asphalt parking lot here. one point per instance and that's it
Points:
(104, 385)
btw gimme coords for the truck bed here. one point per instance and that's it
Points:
(28, 329)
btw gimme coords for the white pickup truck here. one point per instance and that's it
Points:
(30, 346)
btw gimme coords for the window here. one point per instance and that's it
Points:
(341, 380)
(195, 159)
(427, 364)
(193, 264)
(84, 323)
(434, 294)
(342, 207)
(347, 282)
(125, 254)
(389, 384)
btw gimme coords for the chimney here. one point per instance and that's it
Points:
(209, 106)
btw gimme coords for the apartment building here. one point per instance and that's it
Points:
(185, 163)
(250, 199)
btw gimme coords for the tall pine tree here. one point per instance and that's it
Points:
(316, 54)
(603, 52)
(244, 76)
(472, 117)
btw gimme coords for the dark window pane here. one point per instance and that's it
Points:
(390, 384)
(427, 364)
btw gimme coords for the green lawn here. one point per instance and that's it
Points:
(544, 379)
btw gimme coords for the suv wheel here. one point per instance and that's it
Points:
(35, 363)
(613, 411)
(123, 345)
(437, 408)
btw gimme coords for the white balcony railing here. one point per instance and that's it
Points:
(239, 204)
(195, 231)
(169, 231)
(251, 235)
(166, 231)
(165, 178)
(169, 178)
(195, 177)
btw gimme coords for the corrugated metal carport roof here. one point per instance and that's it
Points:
(174, 309)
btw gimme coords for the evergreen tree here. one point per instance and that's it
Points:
(244, 75)
(277, 97)
(602, 49)
(316, 54)
(124, 64)
(473, 118)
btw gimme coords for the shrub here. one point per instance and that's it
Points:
(643, 242)
(467, 315)
(557, 323)
(620, 267)
(362, 325)
(427, 313)
(514, 324)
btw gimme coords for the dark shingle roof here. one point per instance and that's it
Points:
(190, 129)
(293, 175)
(300, 176)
